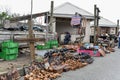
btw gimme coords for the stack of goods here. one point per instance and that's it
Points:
(110, 49)
(64, 57)
(54, 43)
(95, 51)
(37, 71)
(85, 58)
(9, 50)
(72, 47)
(48, 45)
(38, 74)
(54, 63)
(104, 50)
(74, 64)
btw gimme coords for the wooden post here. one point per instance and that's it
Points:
(32, 48)
(51, 17)
(98, 28)
(117, 26)
(47, 27)
(95, 23)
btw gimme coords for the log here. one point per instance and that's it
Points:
(29, 40)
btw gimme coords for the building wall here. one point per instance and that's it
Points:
(112, 30)
(62, 27)
(65, 26)
(109, 30)
(87, 32)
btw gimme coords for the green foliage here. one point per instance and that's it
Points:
(4, 16)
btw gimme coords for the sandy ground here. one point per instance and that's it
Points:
(22, 59)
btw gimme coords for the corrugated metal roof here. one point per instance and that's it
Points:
(70, 15)
(68, 10)
(104, 23)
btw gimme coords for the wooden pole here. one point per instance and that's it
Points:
(98, 28)
(47, 27)
(95, 23)
(32, 48)
(117, 26)
(51, 17)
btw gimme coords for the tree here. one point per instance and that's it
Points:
(4, 16)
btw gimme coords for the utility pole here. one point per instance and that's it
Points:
(31, 36)
(51, 17)
(96, 23)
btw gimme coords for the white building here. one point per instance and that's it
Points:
(62, 17)
(106, 26)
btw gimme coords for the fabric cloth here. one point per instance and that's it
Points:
(76, 20)
(90, 52)
(84, 22)
(97, 54)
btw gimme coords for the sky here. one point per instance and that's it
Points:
(109, 8)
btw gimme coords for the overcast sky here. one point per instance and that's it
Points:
(109, 8)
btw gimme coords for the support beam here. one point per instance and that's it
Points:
(98, 28)
(47, 27)
(26, 17)
(51, 17)
(95, 24)
(117, 26)
(32, 47)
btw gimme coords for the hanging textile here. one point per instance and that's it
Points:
(84, 24)
(81, 30)
(76, 20)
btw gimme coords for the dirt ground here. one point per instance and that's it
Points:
(22, 59)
